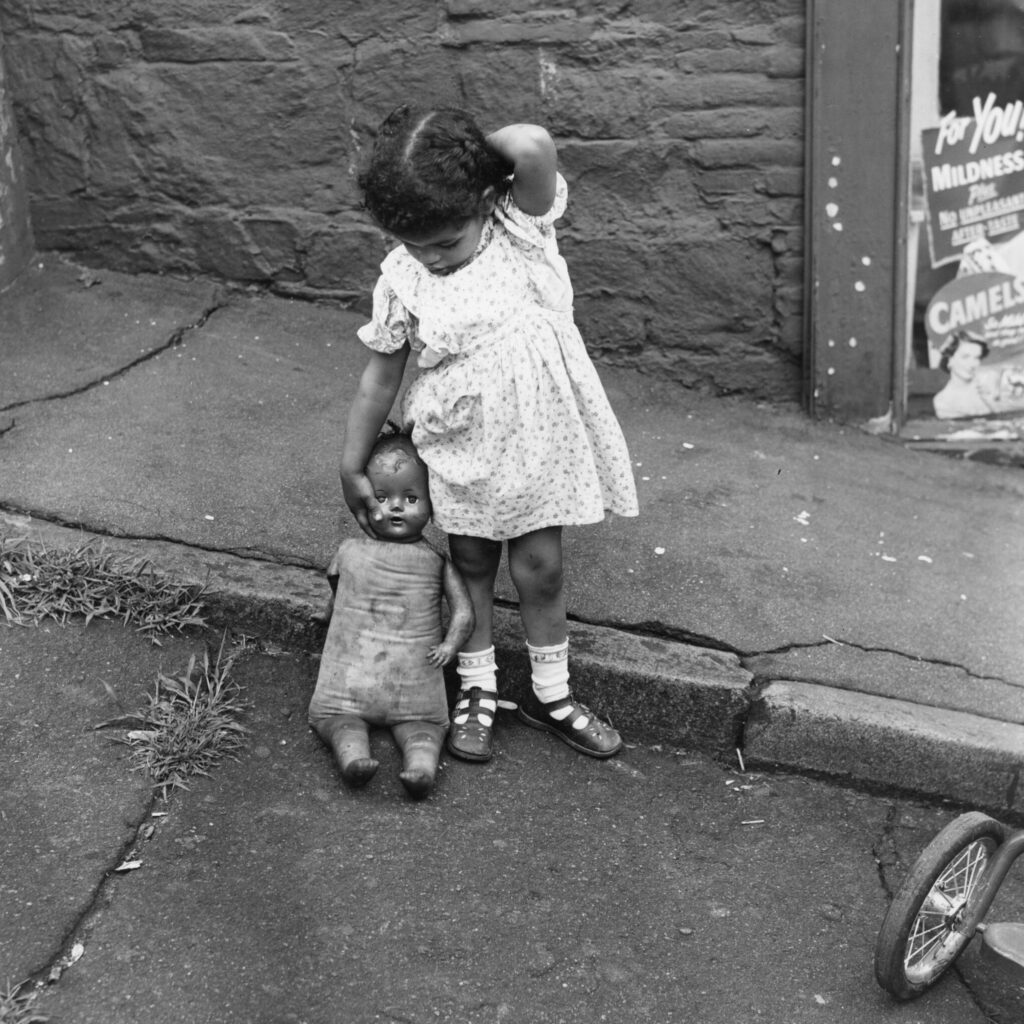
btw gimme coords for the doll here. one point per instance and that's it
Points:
(382, 659)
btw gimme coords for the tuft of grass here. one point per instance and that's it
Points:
(37, 583)
(16, 1006)
(189, 725)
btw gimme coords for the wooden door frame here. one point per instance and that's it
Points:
(857, 210)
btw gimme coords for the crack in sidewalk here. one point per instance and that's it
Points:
(176, 339)
(658, 630)
(886, 851)
(244, 554)
(72, 946)
(829, 641)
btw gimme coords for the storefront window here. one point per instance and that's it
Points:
(965, 321)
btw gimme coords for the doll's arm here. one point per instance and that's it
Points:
(461, 622)
(531, 151)
(378, 387)
(324, 616)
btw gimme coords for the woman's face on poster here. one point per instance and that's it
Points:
(964, 362)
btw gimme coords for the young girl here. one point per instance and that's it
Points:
(381, 663)
(507, 410)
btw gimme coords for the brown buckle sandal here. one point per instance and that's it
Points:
(472, 738)
(581, 728)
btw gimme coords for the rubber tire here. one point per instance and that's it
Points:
(939, 854)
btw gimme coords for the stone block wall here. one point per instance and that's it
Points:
(224, 136)
(16, 244)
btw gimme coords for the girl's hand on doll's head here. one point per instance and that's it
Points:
(440, 655)
(361, 500)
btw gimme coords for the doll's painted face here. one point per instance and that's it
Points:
(400, 484)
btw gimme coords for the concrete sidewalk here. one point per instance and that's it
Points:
(819, 598)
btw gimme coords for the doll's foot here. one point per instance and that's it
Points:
(580, 728)
(472, 731)
(360, 771)
(418, 782)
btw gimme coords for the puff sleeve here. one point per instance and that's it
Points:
(391, 324)
(533, 230)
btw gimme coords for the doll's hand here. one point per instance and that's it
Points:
(440, 655)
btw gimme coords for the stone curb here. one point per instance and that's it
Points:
(653, 690)
(664, 691)
(888, 742)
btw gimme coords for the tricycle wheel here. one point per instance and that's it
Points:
(920, 937)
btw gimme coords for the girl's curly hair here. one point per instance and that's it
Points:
(429, 168)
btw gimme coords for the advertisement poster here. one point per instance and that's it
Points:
(974, 192)
(974, 176)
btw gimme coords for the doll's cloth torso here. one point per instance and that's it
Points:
(387, 616)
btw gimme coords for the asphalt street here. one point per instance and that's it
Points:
(660, 886)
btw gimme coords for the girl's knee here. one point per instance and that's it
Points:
(475, 557)
(537, 570)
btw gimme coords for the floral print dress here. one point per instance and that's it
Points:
(507, 410)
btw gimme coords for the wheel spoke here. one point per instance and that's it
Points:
(923, 938)
(962, 875)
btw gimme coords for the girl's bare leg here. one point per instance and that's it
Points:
(349, 739)
(478, 559)
(535, 562)
(472, 733)
(420, 743)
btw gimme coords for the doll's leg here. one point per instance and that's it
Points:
(349, 739)
(472, 731)
(535, 564)
(420, 743)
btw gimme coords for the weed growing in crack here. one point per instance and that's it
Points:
(37, 583)
(189, 724)
(16, 1006)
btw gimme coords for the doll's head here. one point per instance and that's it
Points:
(399, 479)
(430, 169)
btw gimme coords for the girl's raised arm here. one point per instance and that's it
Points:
(531, 151)
(378, 387)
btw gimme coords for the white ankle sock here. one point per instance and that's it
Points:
(477, 668)
(549, 674)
